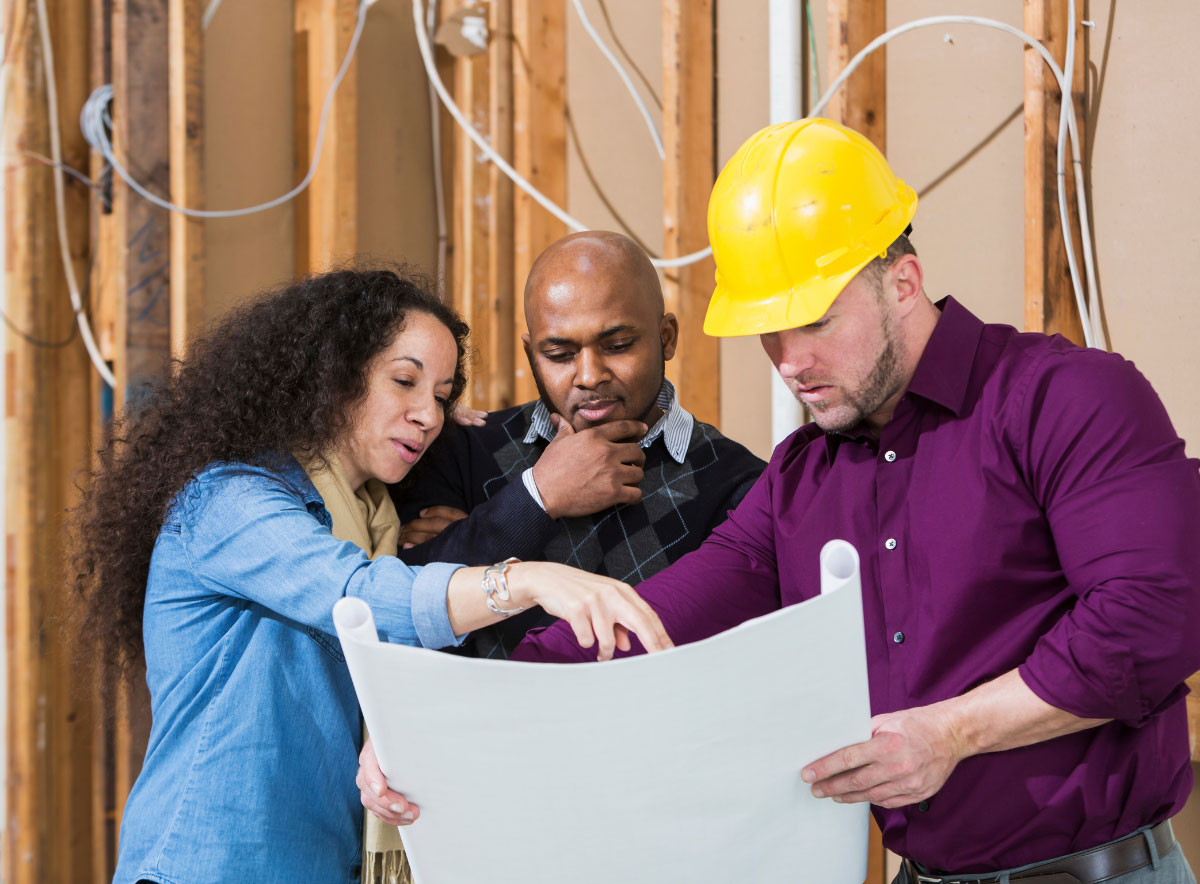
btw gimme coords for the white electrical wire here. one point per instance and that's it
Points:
(1067, 118)
(540, 198)
(207, 18)
(621, 72)
(92, 122)
(85, 329)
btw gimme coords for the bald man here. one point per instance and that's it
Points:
(606, 471)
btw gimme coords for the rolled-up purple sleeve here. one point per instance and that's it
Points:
(1123, 504)
(732, 577)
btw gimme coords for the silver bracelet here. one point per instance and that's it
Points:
(495, 586)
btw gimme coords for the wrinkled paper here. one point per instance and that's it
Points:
(682, 766)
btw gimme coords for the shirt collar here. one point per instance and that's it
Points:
(944, 369)
(675, 426)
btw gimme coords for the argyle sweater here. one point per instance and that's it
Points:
(478, 470)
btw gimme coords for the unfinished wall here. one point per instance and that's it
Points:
(250, 146)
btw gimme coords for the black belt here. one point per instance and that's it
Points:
(1087, 867)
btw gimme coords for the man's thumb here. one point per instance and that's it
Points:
(562, 425)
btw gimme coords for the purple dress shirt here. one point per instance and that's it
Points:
(1028, 505)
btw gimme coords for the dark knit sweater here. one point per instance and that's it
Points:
(479, 469)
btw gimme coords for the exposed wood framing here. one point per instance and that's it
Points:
(104, 306)
(141, 345)
(474, 212)
(689, 128)
(1049, 299)
(327, 211)
(862, 102)
(497, 297)
(186, 100)
(142, 142)
(539, 149)
(47, 426)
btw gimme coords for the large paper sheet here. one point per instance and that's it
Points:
(682, 766)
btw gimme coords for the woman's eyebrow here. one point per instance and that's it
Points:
(413, 359)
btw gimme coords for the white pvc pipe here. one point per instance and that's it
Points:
(786, 62)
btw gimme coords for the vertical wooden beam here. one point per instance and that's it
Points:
(142, 143)
(141, 345)
(862, 102)
(104, 304)
(539, 149)
(689, 128)
(473, 211)
(186, 101)
(501, 341)
(47, 428)
(1049, 298)
(327, 212)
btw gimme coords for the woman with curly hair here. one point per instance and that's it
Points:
(239, 499)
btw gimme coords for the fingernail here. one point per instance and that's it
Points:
(407, 816)
(409, 545)
(807, 775)
(397, 808)
(818, 792)
(425, 511)
(377, 788)
(838, 799)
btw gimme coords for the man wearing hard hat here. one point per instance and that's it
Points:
(1025, 516)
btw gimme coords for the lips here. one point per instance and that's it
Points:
(812, 393)
(597, 409)
(409, 450)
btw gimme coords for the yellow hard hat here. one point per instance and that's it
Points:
(798, 211)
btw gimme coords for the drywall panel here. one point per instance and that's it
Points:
(955, 100)
(614, 172)
(397, 218)
(1145, 163)
(248, 150)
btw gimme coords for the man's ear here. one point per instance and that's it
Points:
(668, 333)
(908, 279)
(528, 351)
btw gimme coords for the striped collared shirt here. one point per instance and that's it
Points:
(675, 428)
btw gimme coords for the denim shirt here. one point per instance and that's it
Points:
(249, 772)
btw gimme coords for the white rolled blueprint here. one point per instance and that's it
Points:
(682, 766)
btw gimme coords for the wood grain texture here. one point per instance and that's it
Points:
(539, 150)
(186, 102)
(47, 427)
(689, 129)
(327, 211)
(862, 102)
(141, 141)
(1049, 298)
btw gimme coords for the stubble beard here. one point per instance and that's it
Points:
(883, 381)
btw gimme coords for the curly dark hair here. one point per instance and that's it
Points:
(281, 374)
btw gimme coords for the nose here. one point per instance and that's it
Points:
(590, 369)
(789, 352)
(426, 413)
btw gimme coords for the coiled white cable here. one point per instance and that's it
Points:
(540, 198)
(624, 75)
(1066, 120)
(92, 122)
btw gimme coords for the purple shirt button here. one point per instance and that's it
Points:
(890, 543)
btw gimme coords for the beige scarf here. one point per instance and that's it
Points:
(368, 519)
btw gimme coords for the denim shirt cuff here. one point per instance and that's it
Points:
(430, 616)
